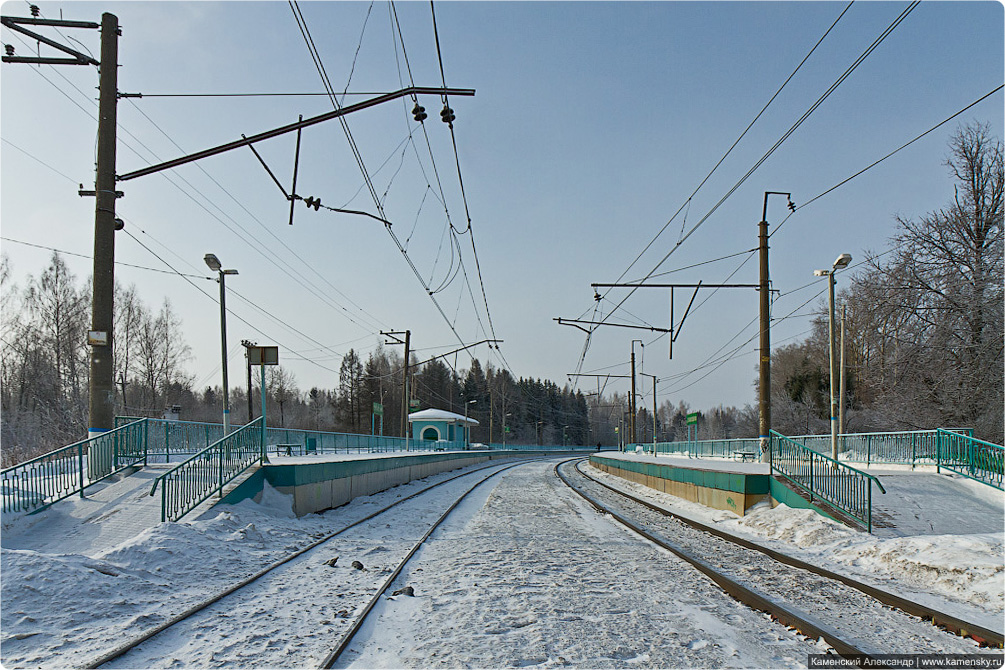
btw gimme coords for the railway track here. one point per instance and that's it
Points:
(856, 619)
(125, 654)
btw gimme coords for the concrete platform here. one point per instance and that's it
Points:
(719, 484)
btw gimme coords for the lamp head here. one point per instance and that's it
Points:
(213, 262)
(842, 261)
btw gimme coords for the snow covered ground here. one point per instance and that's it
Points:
(963, 574)
(524, 574)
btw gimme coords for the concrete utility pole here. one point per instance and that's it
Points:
(248, 344)
(102, 394)
(101, 400)
(404, 376)
(631, 400)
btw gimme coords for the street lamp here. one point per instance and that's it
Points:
(505, 427)
(467, 428)
(842, 262)
(214, 264)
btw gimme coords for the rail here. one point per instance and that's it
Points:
(36, 484)
(970, 457)
(194, 480)
(822, 477)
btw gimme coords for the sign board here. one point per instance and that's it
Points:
(692, 419)
(378, 409)
(413, 404)
(506, 428)
(97, 338)
(263, 355)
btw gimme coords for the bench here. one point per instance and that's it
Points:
(286, 448)
(742, 456)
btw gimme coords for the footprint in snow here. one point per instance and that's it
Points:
(695, 645)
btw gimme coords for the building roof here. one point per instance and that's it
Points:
(440, 415)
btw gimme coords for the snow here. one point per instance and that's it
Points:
(963, 574)
(577, 589)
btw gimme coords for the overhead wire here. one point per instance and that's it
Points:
(879, 40)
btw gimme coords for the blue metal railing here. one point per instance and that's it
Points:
(822, 477)
(42, 481)
(198, 477)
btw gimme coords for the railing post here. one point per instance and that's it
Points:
(869, 494)
(812, 490)
(938, 451)
(80, 462)
(220, 480)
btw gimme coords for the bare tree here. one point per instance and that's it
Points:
(930, 319)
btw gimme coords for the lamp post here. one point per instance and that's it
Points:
(842, 262)
(467, 428)
(505, 428)
(214, 264)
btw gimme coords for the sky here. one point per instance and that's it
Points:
(593, 127)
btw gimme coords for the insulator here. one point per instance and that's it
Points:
(119, 224)
(311, 201)
(447, 114)
(34, 10)
(792, 206)
(419, 112)
(9, 48)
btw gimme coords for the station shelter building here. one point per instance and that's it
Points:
(432, 425)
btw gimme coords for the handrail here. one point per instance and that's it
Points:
(186, 485)
(972, 458)
(845, 487)
(44, 480)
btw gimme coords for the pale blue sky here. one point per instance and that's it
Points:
(592, 124)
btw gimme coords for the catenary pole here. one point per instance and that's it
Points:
(101, 401)
(764, 353)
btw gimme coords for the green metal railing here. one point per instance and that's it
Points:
(904, 447)
(167, 438)
(42, 481)
(198, 477)
(822, 477)
(323, 442)
(970, 457)
(726, 448)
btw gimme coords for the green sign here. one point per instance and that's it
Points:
(506, 428)
(413, 404)
(692, 419)
(378, 409)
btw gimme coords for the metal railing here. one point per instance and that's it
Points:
(42, 481)
(167, 437)
(970, 457)
(725, 448)
(836, 483)
(911, 447)
(197, 478)
(323, 442)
